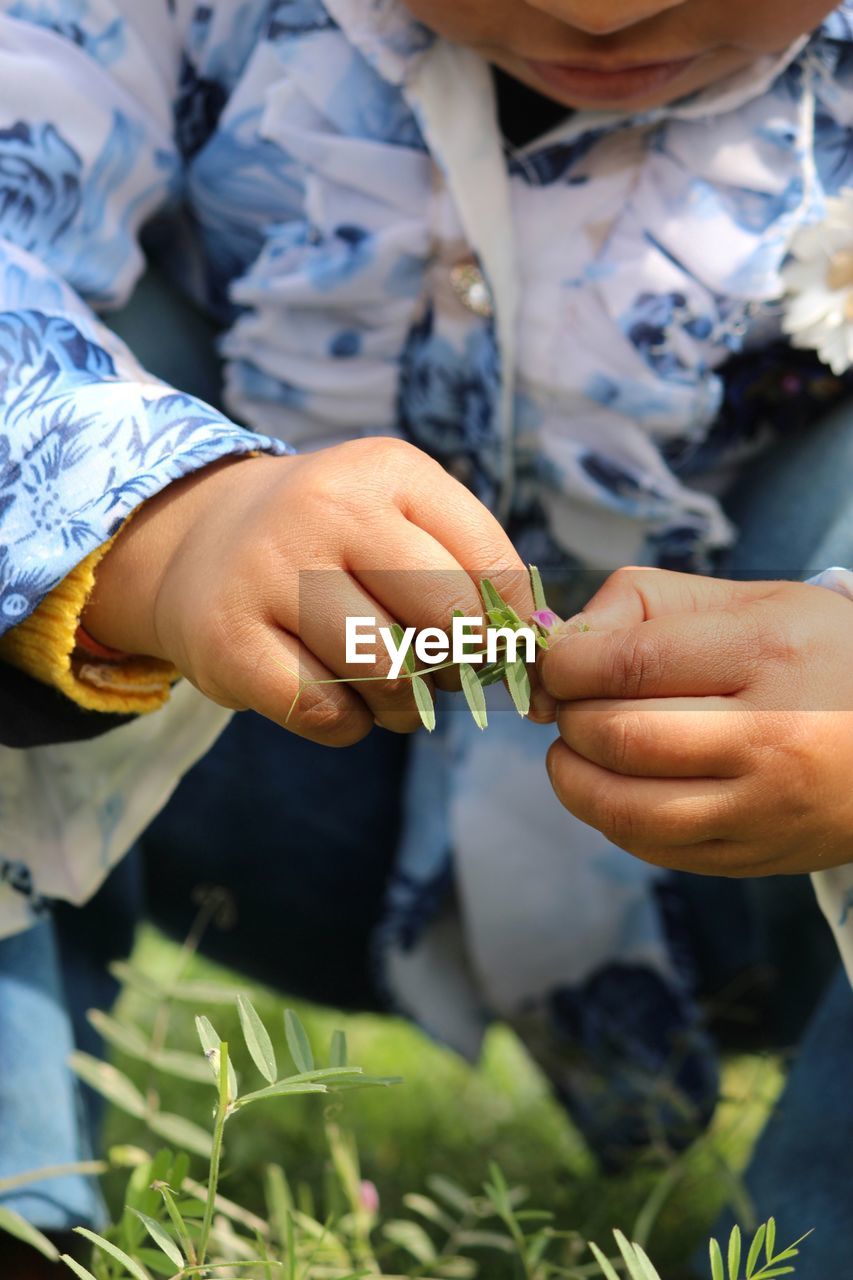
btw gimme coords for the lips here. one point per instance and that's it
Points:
(609, 84)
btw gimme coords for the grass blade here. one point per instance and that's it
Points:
(77, 1267)
(114, 1251)
(257, 1039)
(607, 1269)
(161, 1238)
(14, 1225)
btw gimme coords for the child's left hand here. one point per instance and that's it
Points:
(708, 725)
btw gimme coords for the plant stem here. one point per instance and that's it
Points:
(87, 1168)
(216, 1153)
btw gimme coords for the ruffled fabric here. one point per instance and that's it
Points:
(614, 309)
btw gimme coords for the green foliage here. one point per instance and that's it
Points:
(511, 670)
(173, 1226)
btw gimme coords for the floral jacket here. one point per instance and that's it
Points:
(329, 180)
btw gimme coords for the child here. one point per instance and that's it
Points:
(545, 308)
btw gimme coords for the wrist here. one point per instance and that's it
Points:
(121, 613)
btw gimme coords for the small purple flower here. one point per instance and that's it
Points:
(546, 619)
(369, 1197)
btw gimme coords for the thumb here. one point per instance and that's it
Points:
(634, 595)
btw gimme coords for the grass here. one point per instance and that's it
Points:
(451, 1118)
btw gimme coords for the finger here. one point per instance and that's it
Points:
(660, 737)
(733, 859)
(328, 599)
(427, 588)
(634, 595)
(461, 524)
(686, 655)
(639, 813)
(286, 683)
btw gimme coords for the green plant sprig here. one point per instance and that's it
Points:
(513, 673)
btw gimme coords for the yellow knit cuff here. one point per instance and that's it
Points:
(43, 645)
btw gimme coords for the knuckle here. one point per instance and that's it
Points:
(332, 720)
(636, 663)
(622, 741)
(613, 817)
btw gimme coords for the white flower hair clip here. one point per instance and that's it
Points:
(819, 286)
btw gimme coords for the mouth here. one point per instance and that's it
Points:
(610, 84)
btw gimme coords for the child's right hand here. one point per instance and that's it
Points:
(222, 575)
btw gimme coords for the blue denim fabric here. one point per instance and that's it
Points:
(40, 1105)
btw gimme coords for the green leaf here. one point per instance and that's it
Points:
(210, 1042)
(718, 1271)
(14, 1225)
(184, 1133)
(775, 1271)
(281, 1089)
(202, 991)
(770, 1240)
(518, 683)
(114, 1251)
(411, 1237)
(119, 1034)
(338, 1051)
(156, 1262)
(130, 1040)
(430, 1210)
(78, 1269)
(539, 598)
(735, 1242)
(161, 1238)
(607, 1269)
(183, 1066)
(424, 702)
(399, 638)
(298, 1042)
(190, 1208)
(454, 1196)
(491, 596)
(636, 1259)
(257, 1039)
(492, 674)
(474, 695)
(110, 1083)
(755, 1250)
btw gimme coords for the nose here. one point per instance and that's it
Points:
(604, 17)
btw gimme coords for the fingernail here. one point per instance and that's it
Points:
(572, 626)
(542, 706)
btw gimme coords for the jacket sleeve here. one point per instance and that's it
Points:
(87, 156)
